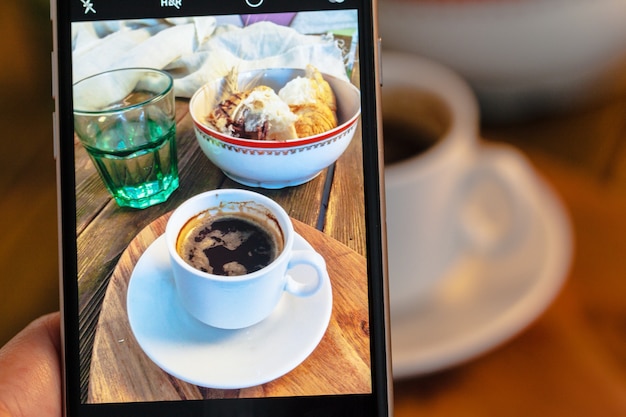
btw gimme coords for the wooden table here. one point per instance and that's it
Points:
(571, 361)
(328, 211)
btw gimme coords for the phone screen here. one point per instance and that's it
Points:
(234, 103)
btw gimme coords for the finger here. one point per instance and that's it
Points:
(30, 376)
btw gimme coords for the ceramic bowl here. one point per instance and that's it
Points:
(274, 164)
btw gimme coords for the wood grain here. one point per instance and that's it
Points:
(121, 372)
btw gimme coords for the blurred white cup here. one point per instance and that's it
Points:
(455, 197)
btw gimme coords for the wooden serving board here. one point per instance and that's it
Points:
(121, 372)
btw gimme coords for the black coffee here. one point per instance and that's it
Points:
(227, 244)
(413, 122)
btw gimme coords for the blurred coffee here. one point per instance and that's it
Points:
(413, 121)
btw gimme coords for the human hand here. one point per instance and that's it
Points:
(30, 371)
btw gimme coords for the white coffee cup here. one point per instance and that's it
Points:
(454, 198)
(233, 302)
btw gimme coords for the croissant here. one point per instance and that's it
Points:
(313, 119)
(311, 98)
(324, 91)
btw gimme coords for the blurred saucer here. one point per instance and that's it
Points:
(484, 302)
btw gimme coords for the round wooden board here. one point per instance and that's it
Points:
(121, 372)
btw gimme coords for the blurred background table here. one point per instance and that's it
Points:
(570, 361)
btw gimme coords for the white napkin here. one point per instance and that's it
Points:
(197, 50)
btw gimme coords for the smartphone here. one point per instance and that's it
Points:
(234, 120)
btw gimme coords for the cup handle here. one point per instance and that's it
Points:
(310, 286)
(494, 210)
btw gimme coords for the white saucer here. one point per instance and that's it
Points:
(215, 358)
(485, 302)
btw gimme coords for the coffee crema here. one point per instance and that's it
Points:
(413, 122)
(228, 244)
